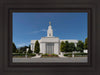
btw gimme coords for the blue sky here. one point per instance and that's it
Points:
(33, 26)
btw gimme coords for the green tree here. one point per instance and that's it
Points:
(67, 46)
(80, 46)
(23, 49)
(63, 46)
(30, 51)
(14, 48)
(37, 47)
(86, 44)
(71, 47)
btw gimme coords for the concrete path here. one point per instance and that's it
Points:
(67, 59)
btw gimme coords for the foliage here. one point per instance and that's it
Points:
(63, 46)
(76, 54)
(49, 55)
(30, 51)
(23, 54)
(23, 49)
(80, 46)
(31, 54)
(70, 54)
(37, 47)
(18, 54)
(86, 43)
(80, 53)
(45, 54)
(71, 47)
(67, 46)
(54, 54)
(14, 48)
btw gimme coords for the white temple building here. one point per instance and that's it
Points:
(50, 44)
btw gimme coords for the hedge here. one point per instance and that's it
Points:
(68, 54)
(76, 54)
(23, 54)
(49, 54)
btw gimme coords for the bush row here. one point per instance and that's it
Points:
(23, 54)
(76, 54)
(49, 54)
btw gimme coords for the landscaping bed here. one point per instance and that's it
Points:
(49, 55)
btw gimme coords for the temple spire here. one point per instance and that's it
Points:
(50, 30)
(49, 23)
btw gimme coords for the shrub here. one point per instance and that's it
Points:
(31, 54)
(45, 54)
(76, 54)
(82, 54)
(15, 54)
(54, 54)
(49, 55)
(21, 54)
(68, 54)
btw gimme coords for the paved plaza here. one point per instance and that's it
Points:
(66, 59)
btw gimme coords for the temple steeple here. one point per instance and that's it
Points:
(49, 23)
(49, 31)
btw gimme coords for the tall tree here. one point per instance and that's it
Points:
(37, 47)
(80, 46)
(86, 44)
(23, 49)
(71, 47)
(14, 48)
(67, 46)
(30, 51)
(63, 46)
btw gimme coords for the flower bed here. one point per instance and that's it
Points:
(49, 55)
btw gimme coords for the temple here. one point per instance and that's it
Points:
(50, 44)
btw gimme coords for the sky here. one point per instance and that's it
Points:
(32, 26)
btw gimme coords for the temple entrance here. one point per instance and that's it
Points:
(50, 48)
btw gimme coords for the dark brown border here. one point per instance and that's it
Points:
(92, 68)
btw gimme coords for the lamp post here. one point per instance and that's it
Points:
(26, 52)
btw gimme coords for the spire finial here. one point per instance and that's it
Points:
(49, 23)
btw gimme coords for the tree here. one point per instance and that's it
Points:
(86, 43)
(30, 51)
(71, 47)
(37, 47)
(23, 49)
(14, 48)
(67, 46)
(80, 46)
(63, 46)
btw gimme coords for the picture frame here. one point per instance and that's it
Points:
(6, 67)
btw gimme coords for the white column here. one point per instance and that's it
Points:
(43, 48)
(56, 48)
(32, 47)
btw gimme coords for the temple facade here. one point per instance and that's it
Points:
(50, 44)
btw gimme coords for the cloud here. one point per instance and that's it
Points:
(42, 30)
(22, 44)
